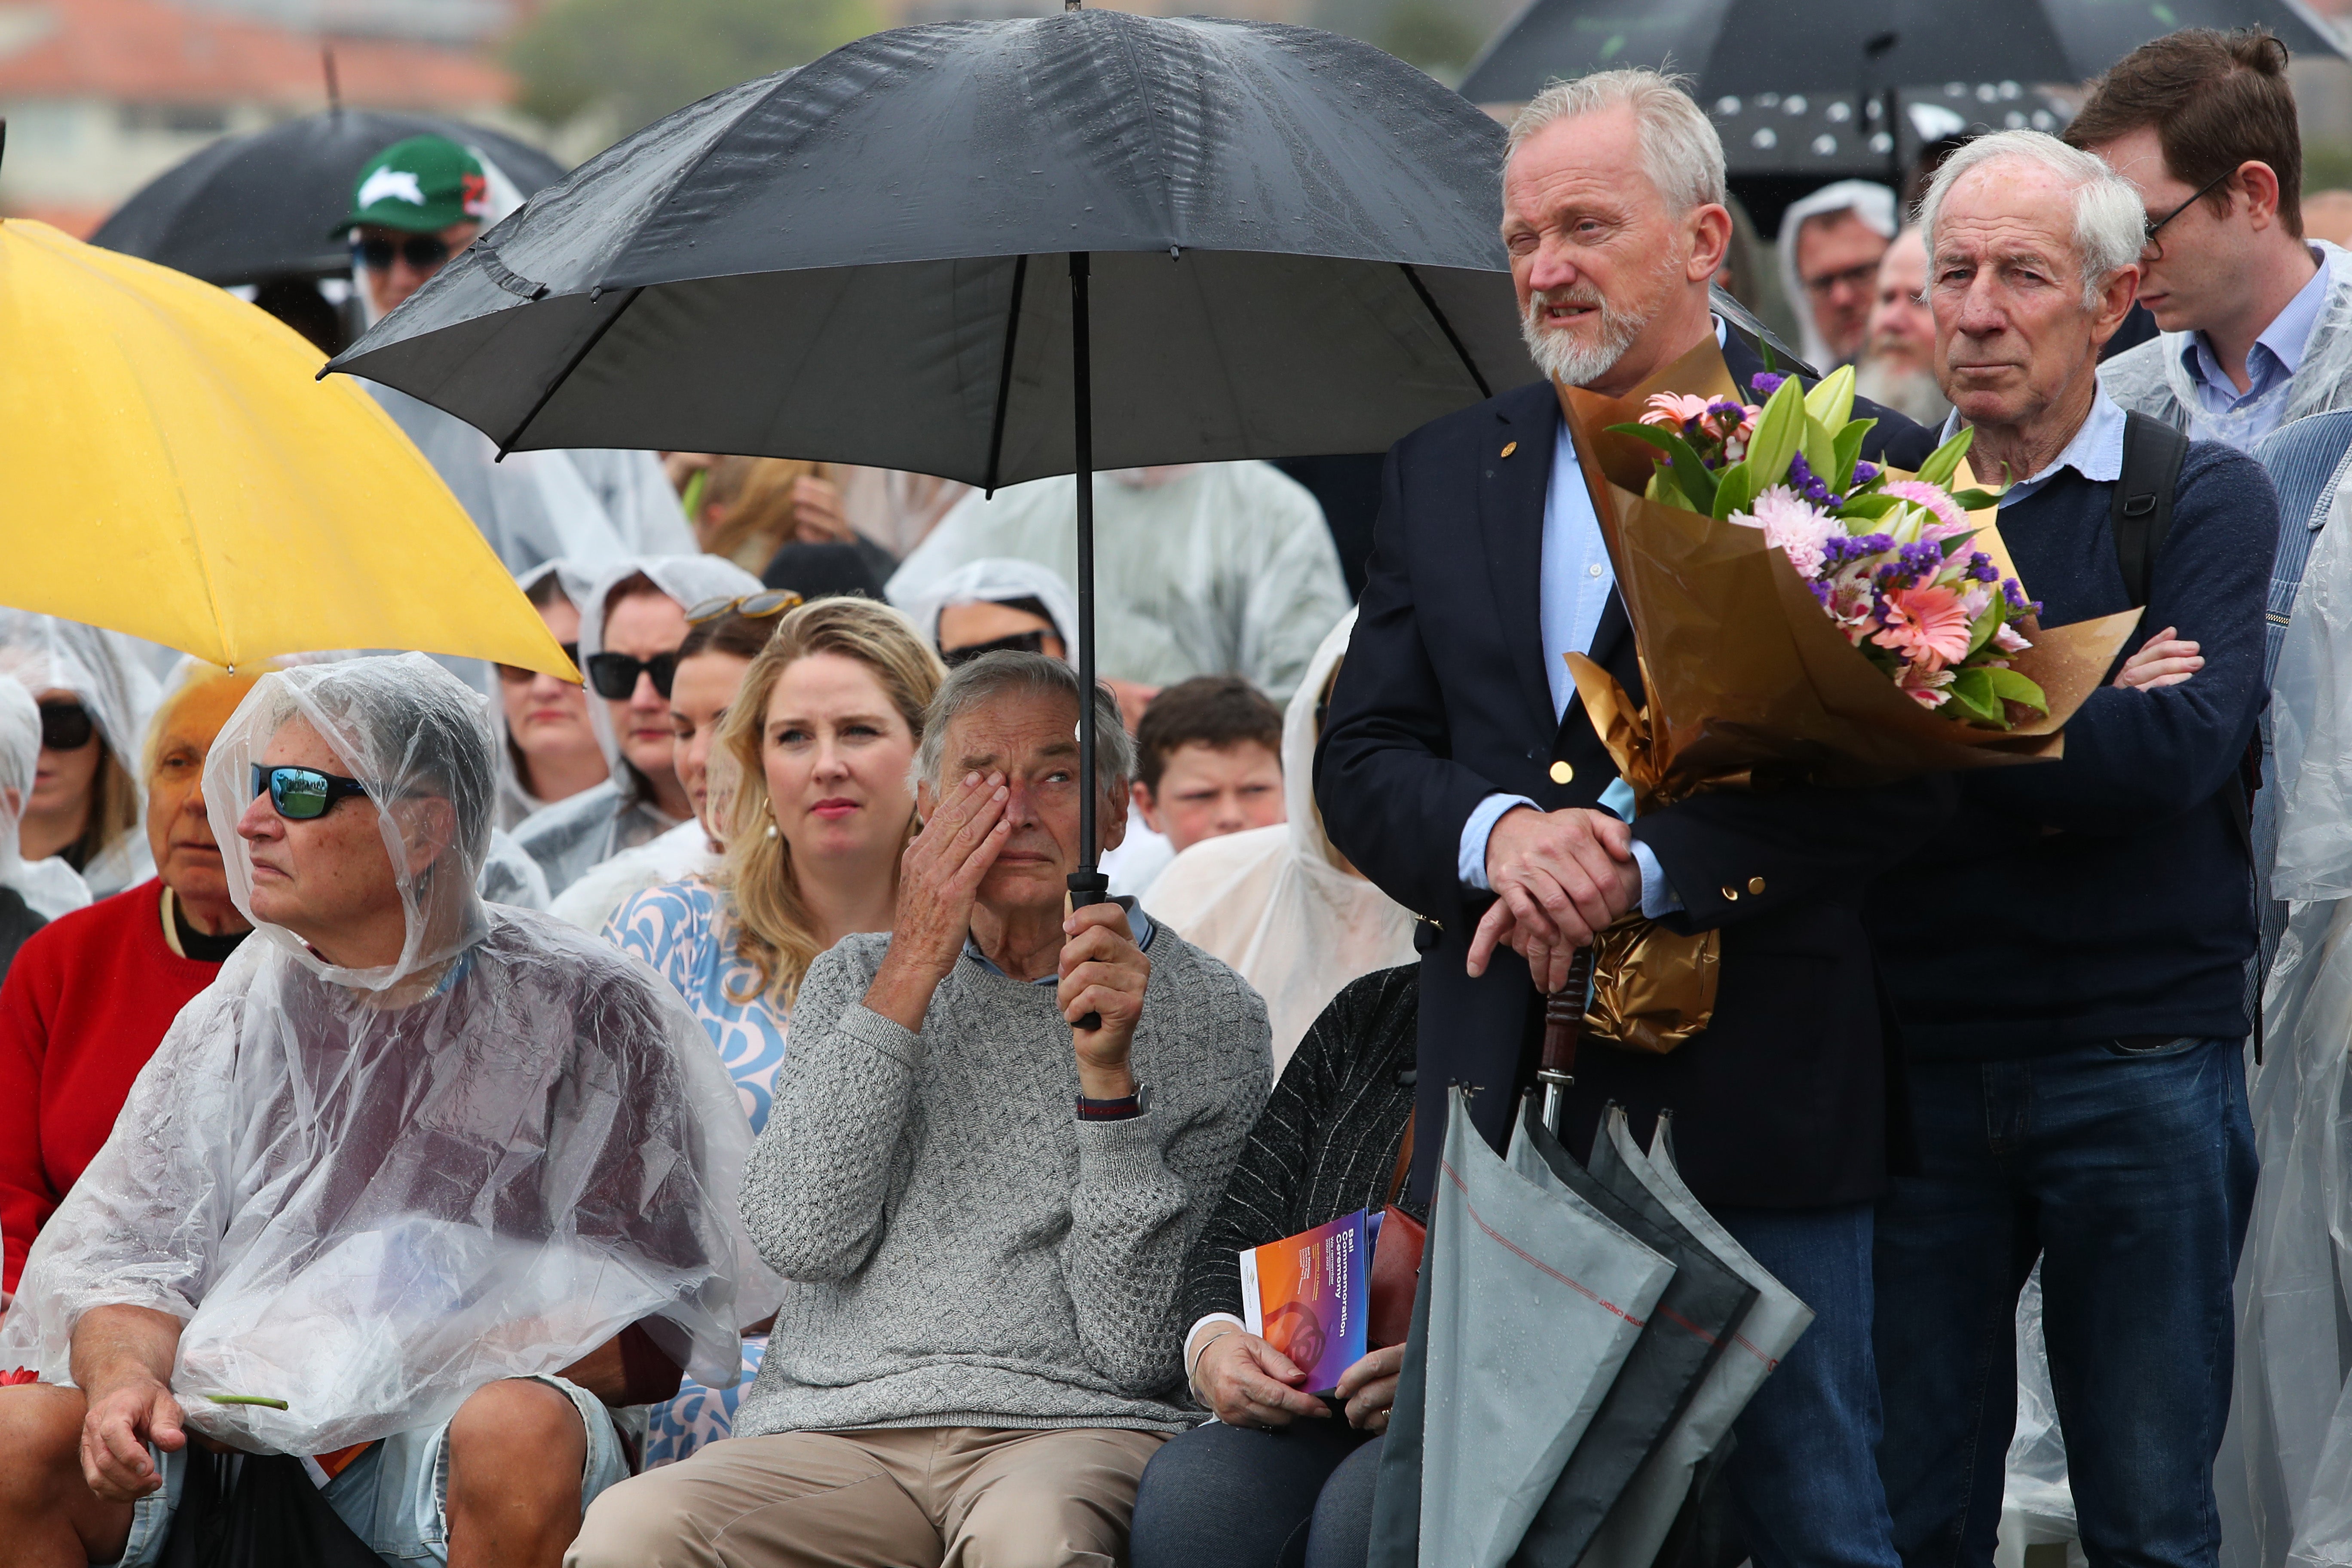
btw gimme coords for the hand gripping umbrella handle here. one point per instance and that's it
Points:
(1563, 1026)
(1089, 887)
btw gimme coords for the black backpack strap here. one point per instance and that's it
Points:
(2140, 512)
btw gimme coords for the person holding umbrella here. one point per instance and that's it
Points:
(1458, 775)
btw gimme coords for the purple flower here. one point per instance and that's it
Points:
(1981, 569)
(1864, 472)
(1765, 383)
(1807, 484)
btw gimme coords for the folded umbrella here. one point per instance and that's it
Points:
(175, 473)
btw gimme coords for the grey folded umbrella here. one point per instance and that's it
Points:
(1644, 1512)
(1686, 1332)
(1535, 1299)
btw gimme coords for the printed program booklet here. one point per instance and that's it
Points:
(1307, 1296)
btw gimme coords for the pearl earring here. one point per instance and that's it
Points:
(772, 830)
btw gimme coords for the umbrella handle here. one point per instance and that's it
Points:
(1563, 1026)
(1089, 887)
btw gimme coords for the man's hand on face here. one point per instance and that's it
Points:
(2165, 659)
(939, 877)
(1559, 877)
(121, 1421)
(1102, 971)
(817, 515)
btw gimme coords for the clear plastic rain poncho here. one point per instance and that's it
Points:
(996, 580)
(370, 1191)
(572, 834)
(108, 674)
(1202, 569)
(1276, 904)
(49, 888)
(515, 800)
(2290, 1486)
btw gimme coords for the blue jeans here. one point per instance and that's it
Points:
(1231, 1497)
(2130, 1172)
(1804, 1479)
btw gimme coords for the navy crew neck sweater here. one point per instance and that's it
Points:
(2108, 893)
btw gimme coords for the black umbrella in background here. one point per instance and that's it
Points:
(996, 251)
(250, 208)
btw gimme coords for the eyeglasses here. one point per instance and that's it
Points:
(614, 675)
(751, 606)
(1862, 277)
(422, 251)
(516, 675)
(2149, 250)
(66, 727)
(303, 794)
(1033, 641)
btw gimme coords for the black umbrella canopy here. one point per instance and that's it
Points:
(262, 206)
(1291, 241)
(1748, 47)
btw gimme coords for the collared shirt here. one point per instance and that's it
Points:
(2096, 451)
(1574, 584)
(2223, 413)
(1137, 921)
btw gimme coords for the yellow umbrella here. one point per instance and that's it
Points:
(170, 468)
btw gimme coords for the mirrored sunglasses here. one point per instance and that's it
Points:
(303, 794)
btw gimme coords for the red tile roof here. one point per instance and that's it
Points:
(153, 51)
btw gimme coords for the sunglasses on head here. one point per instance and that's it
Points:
(302, 794)
(421, 251)
(66, 727)
(1031, 641)
(516, 675)
(751, 606)
(614, 675)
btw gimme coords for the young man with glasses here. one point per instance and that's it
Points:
(2256, 316)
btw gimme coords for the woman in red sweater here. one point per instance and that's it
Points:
(89, 997)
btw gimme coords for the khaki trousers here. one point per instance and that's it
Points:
(922, 1497)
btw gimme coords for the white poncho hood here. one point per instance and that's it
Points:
(108, 674)
(370, 1191)
(49, 888)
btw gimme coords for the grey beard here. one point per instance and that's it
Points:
(1910, 392)
(1573, 364)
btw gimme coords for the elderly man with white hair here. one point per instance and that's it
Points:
(998, 1127)
(1459, 775)
(2083, 1098)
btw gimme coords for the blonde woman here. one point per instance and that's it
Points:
(823, 729)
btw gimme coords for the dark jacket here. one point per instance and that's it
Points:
(1442, 700)
(2109, 893)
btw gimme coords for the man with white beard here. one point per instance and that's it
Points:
(1458, 775)
(1898, 366)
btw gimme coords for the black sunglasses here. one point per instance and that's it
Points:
(614, 675)
(66, 727)
(2148, 247)
(1031, 641)
(516, 675)
(302, 794)
(419, 250)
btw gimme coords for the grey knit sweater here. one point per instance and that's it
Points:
(963, 1250)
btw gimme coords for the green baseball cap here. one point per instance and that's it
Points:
(424, 184)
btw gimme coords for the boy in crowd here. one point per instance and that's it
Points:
(1209, 761)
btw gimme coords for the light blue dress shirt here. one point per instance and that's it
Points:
(2223, 413)
(2096, 451)
(1574, 584)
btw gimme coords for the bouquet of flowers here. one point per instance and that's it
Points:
(1888, 559)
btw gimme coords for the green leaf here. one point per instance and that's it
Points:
(2015, 688)
(1831, 400)
(1734, 491)
(1778, 429)
(1987, 623)
(1848, 449)
(1870, 504)
(1821, 451)
(1977, 500)
(1945, 460)
(1972, 693)
(1692, 478)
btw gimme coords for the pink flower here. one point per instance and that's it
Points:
(1674, 408)
(1793, 526)
(1950, 520)
(1925, 687)
(1926, 624)
(2005, 638)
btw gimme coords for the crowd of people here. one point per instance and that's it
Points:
(682, 1117)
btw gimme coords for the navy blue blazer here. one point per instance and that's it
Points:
(1442, 700)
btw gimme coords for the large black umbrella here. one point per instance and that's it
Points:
(1743, 48)
(996, 251)
(263, 205)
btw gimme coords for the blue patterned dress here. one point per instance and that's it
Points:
(681, 929)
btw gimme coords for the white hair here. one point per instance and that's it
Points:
(2110, 224)
(1680, 150)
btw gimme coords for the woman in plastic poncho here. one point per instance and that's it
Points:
(95, 697)
(823, 730)
(317, 1192)
(549, 749)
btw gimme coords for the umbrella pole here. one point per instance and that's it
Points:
(1088, 885)
(1563, 1025)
